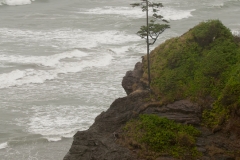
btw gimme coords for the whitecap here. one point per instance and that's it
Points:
(236, 32)
(54, 65)
(16, 2)
(62, 121)
(120, 50)
(174, 14)
(67, 37)
(48, 61)
(167, 12)
(215, 4)
(3, 145)
(110, 10)
(219, 5)
(53, 139)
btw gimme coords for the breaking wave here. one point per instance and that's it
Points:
(236, 32)
(68, 38)
(57, 122)
(167, 12)
(16, 2)
(49, 67)
(3, 145)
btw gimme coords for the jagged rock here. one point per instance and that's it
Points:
(99, 142)
(179, 64)
(182, 111)
(131, 81)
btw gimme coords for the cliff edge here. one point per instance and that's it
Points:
(195, 83)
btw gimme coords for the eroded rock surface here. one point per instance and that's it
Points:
(99, 142)
(131, 81)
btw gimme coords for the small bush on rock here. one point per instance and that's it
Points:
(155, 136)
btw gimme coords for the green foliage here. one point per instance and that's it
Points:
(204, 62)
(163, 136)
(206, 33)
(216, 116)
(153, 30)
(228, 100)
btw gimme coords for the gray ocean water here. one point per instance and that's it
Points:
(62, 62)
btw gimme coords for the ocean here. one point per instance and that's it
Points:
(62, 62)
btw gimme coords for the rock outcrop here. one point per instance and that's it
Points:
(202, 64)
(99, 142)
(131, 81)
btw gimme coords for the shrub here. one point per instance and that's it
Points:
(204, 62)
(157, 136)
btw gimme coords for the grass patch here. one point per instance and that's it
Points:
(154, 136)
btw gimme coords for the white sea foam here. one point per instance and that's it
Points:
(54, 64)
(53, 139)
(67, 38)
(219, 5)
(174, 14)
(56, 122)
(42, 60)
(236, 32)
(16, 2)
(215, 3)
(3, 145)
(167, 12)
(120, 50)
(109, 10)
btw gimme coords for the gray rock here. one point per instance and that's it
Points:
(99, 141)
(131, 81)
(182, 111)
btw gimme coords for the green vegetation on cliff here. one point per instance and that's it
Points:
(155, 136)
(202, 65)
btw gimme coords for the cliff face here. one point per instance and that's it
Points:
(100, 141)
(192, 104)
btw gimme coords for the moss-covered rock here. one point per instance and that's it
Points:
(202, 65)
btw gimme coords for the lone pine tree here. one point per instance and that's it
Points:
(152, 30)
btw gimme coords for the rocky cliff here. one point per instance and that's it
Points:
(100, 141)
(105, 139)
